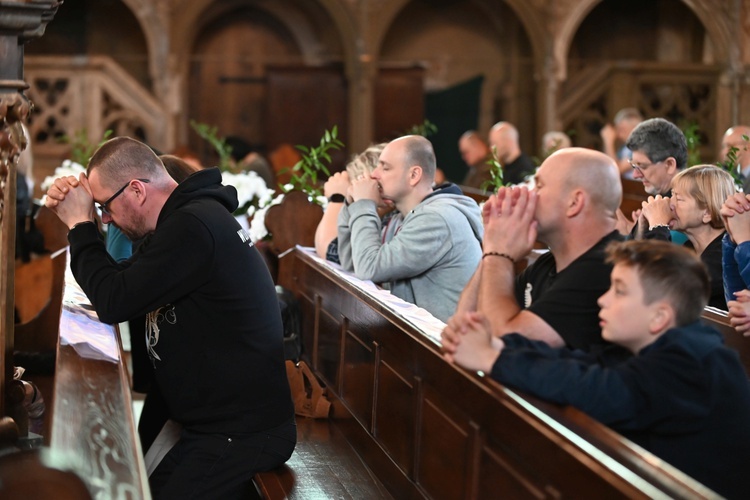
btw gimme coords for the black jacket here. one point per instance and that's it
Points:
(213, 321)
(685, 398)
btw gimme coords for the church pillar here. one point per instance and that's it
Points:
(547, 96)
(361, 79)
(20, 21)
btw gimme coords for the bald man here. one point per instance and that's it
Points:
(475, 153)
(516, 165)
(733, 138)
(429, 249)
(572, 210)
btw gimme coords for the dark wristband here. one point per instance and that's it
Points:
(337, 198)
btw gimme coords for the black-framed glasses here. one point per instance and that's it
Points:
(103, 206)
(642, 168)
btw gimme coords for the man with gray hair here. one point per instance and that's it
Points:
(659, 152)
(429, 249)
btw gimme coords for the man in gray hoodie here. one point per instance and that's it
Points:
(429, 250)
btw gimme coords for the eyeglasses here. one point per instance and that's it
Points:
(642, 168)
(103, 206)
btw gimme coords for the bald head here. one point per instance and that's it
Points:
(504, 130)
(417, 151)
(734, 137)
(594, 172)
(504, 138)
(473, 149)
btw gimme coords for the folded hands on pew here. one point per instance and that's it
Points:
(467, 340)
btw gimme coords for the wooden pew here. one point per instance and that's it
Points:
(427, 428)
(92, 416)
(632, 196)
(720, 320)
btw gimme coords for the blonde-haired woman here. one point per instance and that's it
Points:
(695, 210)
(335, 189)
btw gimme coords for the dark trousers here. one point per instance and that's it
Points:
(218, 465)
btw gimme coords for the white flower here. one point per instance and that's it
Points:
(251, 189)
(67, 168)
(258, 229)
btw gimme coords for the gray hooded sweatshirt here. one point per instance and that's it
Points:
(425, 258)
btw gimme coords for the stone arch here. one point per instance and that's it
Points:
(716, 26)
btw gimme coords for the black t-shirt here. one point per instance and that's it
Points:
(567, 300)
(515, 171)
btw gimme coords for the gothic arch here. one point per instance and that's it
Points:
(188, 21)
(528, 17)
(187, 24)
(717, 27)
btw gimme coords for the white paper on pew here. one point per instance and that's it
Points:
(421, 319)
(80, 327)
(90, 338)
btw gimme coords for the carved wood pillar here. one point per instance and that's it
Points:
(20, 21)
(361, 104)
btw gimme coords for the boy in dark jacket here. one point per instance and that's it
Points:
(683, 396)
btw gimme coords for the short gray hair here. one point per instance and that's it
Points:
(659, 139)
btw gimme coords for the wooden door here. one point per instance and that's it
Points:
(303, 102)
(228, 85)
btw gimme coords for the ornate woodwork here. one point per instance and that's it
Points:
(19, 23)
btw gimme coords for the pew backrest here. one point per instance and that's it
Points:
(427, 428)
(720, 320)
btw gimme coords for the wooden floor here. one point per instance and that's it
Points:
(323, 466)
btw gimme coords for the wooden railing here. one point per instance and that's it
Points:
(427, 428)
(92, 416)
(92, 93)
(684, 93)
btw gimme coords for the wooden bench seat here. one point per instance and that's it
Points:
(324, 465)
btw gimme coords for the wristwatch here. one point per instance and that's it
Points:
(337, 198)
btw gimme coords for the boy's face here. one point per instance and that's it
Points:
(625, 318)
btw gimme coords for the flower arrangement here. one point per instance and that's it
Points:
(252, 192)
(68, 167)
(255, 197)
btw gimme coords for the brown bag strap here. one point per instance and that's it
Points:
(308, 394)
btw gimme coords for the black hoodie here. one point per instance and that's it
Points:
(213, 322)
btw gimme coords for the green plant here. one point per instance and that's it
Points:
(210, 134)
(425, 129)
(693, 139)
(731, 161)
(495, 181)
(81, 149)
(307, 170)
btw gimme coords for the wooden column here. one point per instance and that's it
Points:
(20, 21)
